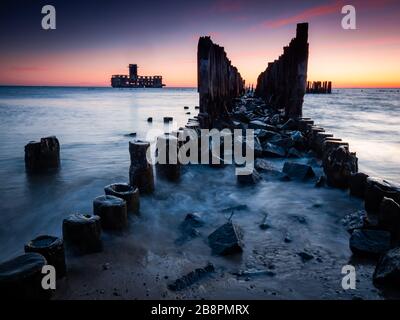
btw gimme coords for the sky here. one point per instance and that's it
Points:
(95, 39)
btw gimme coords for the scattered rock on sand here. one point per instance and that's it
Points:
(226, 240)
(305, 256)
(190, 278)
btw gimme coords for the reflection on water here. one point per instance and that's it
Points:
(92, 126)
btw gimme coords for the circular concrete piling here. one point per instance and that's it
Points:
(140, 171)
(112, 211)
(126, 192)
(82, 233)
(52, 248)
(21, 278)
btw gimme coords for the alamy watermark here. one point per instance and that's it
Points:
(203, 146)
(349, 21)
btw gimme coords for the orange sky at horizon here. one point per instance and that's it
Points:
(363, 58)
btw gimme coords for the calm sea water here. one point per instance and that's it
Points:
(92, 124)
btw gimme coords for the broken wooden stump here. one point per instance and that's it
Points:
(218, 84)
(339, 165)
(283, 83)
(126, 192)
(82, 233)
(358, 184)
(52, 248)
(21, 278)
(141, 171)
(167, 165)
(42, 156)
(376, 190)
(112, 211)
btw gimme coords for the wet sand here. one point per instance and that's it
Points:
(142, 262)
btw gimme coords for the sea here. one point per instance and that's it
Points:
(94, 126)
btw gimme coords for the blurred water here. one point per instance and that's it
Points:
(91, 125)
(366, 118)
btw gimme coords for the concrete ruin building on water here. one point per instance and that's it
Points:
(133, 80)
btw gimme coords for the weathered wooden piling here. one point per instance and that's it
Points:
(319, 87)
(218, 84)
(82, 233)
(283, 84)
(112, 211)
(21, 278)
(52, 248)
(126, 192)
(167, 165)
(140, 171)
(42, 156)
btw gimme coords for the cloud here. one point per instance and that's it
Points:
(322, 10)
(304, 15)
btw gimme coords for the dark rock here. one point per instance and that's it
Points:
(82, 233)
(268, 171)
(376, 190)
(150, 119)
(42, 156)
(305, 256)
(291, 124)
(298, 171)
(188, 227)
(126, 192)
(187, 112)
(266, 135)
(197, 107)
(132, 134)
(275, 119)
(112, 211)
(357, 184)
(191, 278)
(168, 119)
(339, 165)
(274, 151)
(354, 220)
(21, 278)
(387, 271)
(186, 107)
(257, 124)
(226, 240)
(369, 242)
(249, 179)
(285, 143)
(236, 208)
(52, 248)
(294, 153)
(320, 182)
(389, 216)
